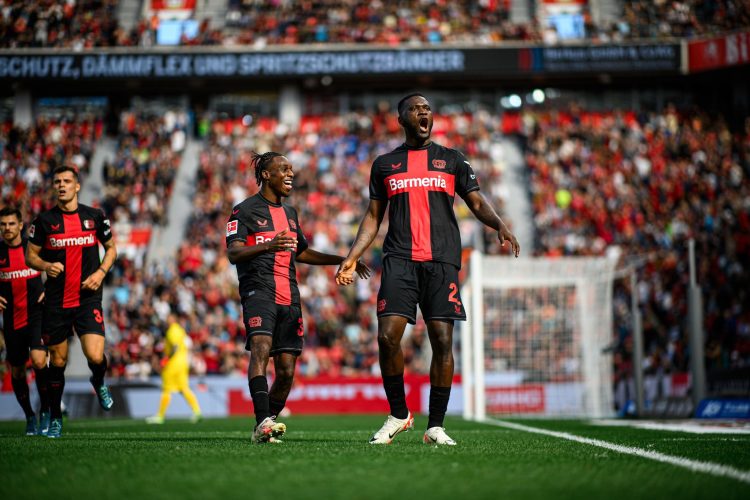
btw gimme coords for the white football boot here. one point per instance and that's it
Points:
(391, 428)
(268, 431)
(437, 435)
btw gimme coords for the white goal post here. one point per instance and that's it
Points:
(536, 337)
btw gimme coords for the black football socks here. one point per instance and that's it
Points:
(439, 397)
(42, 387)
(56, 386)
(21, 389)
(97, 372)
(276, 406)
(259, 393)
(394, 391)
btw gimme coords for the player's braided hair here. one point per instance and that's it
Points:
(260, 162)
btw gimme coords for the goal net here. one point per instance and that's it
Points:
(535, 342)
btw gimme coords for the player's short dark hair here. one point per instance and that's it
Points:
(260, 162)
(402, 103)
(9, 210)
(66, 168)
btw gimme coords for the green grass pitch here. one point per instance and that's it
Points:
(329, 458)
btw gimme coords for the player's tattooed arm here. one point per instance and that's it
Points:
(368, 230)
(483, 211)
(315, 258)
(34, 261)
(94, 280)
(282, 242)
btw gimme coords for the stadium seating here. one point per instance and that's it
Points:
(139, 179)
(29, 156)
(80, 24)
(88, 24)
(646, 182)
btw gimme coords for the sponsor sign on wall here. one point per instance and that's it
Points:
(445, 63)
(637, 58)
(720, 52)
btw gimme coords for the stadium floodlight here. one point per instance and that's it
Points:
(538, 96)
(536, 337)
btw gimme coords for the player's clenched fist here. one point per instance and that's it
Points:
(55, 269)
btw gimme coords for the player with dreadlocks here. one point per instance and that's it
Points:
(264, 240)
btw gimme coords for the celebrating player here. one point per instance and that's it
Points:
(63, 244)
(175, 373)
(21, 294)
(422, 257)
(264, 239)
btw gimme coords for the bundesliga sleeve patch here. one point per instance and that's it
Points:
(32, 230)
(231, 227)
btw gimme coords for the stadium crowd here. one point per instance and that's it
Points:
(28, 156)
(85, 24)
(332, 157)
(139, 178)
(73, 24)
(647, 182)
(685, 18)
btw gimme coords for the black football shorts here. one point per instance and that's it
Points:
(18, 342)
(282, 322)
(60, 323)
(432, 285)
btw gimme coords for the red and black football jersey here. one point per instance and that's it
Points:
(71, 238)
(270, 275)
(20, 286)
(420, 184)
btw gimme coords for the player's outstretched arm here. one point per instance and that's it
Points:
(368, 230)
(34, 261)
(94, 280)
(315, 258)
(282, 242)
(482, 210)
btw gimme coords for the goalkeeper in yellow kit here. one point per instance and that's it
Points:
(175, 373)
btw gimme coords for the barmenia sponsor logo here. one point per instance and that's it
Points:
(18, 274)
(87, 240)
(414, 182)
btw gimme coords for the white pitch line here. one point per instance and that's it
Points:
(693, 465)
(676, 427)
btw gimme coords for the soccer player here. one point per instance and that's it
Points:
(264, 239)
(422, 257)
(21, 294)
(174, 376)
(63, 242)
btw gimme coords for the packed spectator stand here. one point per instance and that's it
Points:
(646, 183)
(87, 24)
(29, 156)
